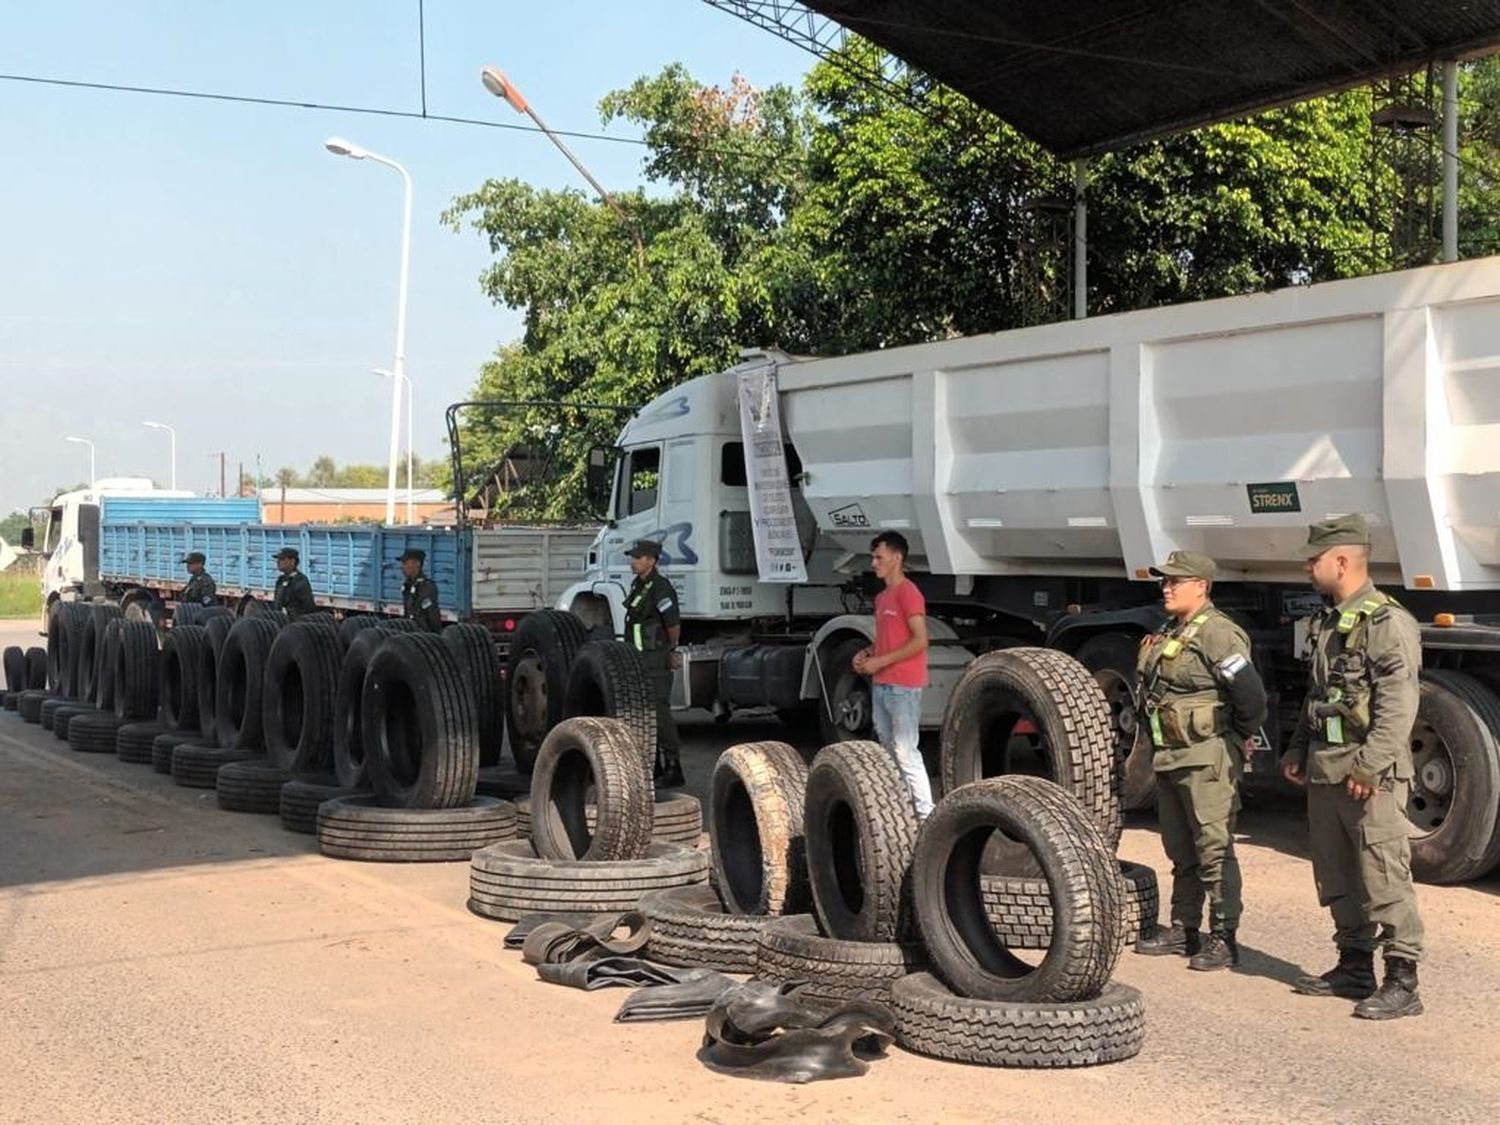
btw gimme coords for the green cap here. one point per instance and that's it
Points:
(1187, 564)
(1340, 531)
(645, 548)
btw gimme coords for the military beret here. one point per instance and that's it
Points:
(1340, 531)
(1187, 564)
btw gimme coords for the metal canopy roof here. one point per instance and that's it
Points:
(1083, 76)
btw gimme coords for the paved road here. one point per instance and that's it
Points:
(162, 961)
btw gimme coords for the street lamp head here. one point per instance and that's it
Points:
(80, 440)
(502, 87)
(156, 425)
(340, 147)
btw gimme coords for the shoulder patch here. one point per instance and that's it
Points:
(665, 604)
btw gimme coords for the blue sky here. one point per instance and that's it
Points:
(210, 266)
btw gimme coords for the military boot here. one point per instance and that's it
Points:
(668, 772)
(1397, 995)
(1353, 977)
(1220, 951)
(1178, 941)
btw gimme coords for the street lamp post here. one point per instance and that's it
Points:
(384, 374)
(340, 147)
(503, 88)
(172, 437)
(85, 441)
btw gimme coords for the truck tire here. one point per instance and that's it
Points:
(12, 701)
(790, 948)
(109, 657)
(29, 705)
(1111, 658)
(217, 630)
(65, 714)
(351, 627)
(15, 670)
(182, 658)
(133, 741)
(536, 679)
(240, 680)
(300, 694)
(609, 680)
(586, 757)
(300, 798)
(55, 632)
(847, 714)
(36, 669)
(474, 649)
(92, 661)
(1020, 910)
(861, 830)
(164, 745)
(252, 786)
(75, 621)
(348, 733)
(137, 682)
(755, 827)
(691, 927)
(675, 818)
(509, 880)
(417, 720)
(93, 732)
(1074, 743)
(504, 782)
(49, 709)
(1454, 802)
(187, 613)
(196, 766)
(144, 607)
(357, 828)
(931, 1020)
(1088, 928)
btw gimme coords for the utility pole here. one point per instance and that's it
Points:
(220, 456)
(239, 481)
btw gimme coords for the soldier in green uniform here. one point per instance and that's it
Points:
(1203, 703)
(201, 588)
(419, 594)
(653, 625)
(1352, 750)
(294, 595)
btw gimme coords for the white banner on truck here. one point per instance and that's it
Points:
(778, 550)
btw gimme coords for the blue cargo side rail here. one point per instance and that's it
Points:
(350, 567)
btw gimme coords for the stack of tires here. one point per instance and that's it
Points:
(574, 862)
(25, 675)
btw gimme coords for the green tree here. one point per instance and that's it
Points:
(12, 526)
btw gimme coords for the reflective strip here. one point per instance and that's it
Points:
(1334, 734)
(640, 645)
(1157, 737)
(1171, 648)
(1347, 620)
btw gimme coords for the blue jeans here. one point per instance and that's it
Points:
(898, 715)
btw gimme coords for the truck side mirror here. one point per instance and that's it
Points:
(598, 476)
(28, 538)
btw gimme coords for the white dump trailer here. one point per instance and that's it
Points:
(1038, 473)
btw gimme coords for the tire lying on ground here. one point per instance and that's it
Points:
(14, 661)
(608, 680)
(64, 715)
(93, 732)
(474, 649)
(239, 687)
(252, 786)
(756, 829)
(301, 682)
(134, 741)
(137, 681)
(599, 758)
(1454, 800)
(790, 948)
(164, 745)
(1020, 910)
(861, 830)
(12, 701)
(29, 704)
(182, 654)
(536, 679)
(36, 669)
(690, 926)
(300, 798)
(417, 721)
(357, 828)
(196, 765)
(1080, 871)
(50, 706)
(1074, 741)
(349, 750)
(931, 1020)
(675, 818)
(508, 881)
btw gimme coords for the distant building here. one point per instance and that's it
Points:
(349, 505)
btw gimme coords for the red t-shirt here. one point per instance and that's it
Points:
(894, 606)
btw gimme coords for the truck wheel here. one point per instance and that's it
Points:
(301, 684)
(475, 650)
(1111, 658)
(756, 830)
(182, 650)
(417, 718)
(846, 715)
(580, 758)
(609, 680)
(137, 672)
(1066, 733)
(1082, 878)
(537, 679)
(1454, 802)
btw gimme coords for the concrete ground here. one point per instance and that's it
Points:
(162, 961)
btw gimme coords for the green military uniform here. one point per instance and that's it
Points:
(1356, 723)
(1201, 700)
(294, 593)
(201, 588)
(650, 610)
(419, 596)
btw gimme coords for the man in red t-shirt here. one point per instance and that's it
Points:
(898, 663)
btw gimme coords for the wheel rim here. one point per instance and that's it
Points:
(853, 709)
(1120, 696)
(1431, 797)
(528, 687)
